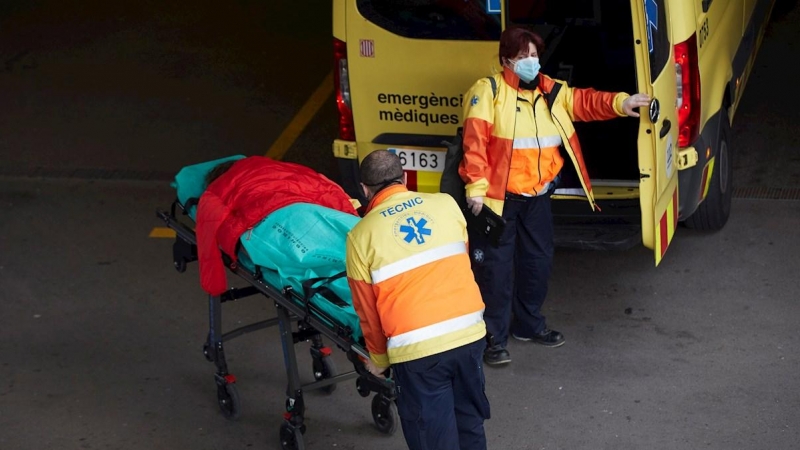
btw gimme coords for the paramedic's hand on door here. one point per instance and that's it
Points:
(633, 102)
(475, 204)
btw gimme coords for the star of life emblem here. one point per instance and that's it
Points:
(415, 230)
(477, 255)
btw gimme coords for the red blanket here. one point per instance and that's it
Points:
(241, 197)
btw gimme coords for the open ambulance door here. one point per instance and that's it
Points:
(658, 129)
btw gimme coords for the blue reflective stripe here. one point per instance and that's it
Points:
(651, 11)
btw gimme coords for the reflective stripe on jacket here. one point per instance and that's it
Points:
(535, 160)
(409, 272)
(489, 132)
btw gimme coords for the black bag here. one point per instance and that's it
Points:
(451, 180)
(487, 223)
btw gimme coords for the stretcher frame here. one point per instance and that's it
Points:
(291, 307)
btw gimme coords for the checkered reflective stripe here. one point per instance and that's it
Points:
(667, 226)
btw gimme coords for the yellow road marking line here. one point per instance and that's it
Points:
(162, 232)
(301, 119)
(286, 139)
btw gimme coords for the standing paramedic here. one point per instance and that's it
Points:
(512, 164)
(421, 311)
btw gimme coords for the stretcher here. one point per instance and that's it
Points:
(304, 314)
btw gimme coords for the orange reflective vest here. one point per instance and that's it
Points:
(409, 272)
(511, 139)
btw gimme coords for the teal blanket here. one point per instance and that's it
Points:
(293, 244)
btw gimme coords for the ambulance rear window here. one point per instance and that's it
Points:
(466, 20)
(658, 45)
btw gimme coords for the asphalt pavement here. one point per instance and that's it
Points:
(100, 338)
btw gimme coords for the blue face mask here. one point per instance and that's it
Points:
(527, 68)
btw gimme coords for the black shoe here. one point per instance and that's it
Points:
(496, 356)
(548, 338)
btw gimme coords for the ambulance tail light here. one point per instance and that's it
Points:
(341, 83)
(688, 80)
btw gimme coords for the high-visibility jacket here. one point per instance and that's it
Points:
(512, 135)
(409, 273)
(241, 197)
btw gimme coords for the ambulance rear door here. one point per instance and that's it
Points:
(658, 130)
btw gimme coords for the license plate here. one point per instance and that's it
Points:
(420, 160)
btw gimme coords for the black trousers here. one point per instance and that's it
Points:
(441, 399)
(514, 275)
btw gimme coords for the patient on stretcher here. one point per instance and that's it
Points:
(288, 220)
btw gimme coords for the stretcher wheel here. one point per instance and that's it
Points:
(207, 352)
(228, 399)
(291, 438)
(180, 265)
(384, 414)
(325, 368)
(362, 390)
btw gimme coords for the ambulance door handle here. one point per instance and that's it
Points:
(665, 128)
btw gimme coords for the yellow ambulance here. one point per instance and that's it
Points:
(402, 67)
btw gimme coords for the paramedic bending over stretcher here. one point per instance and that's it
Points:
(242, 193)
(419, 307)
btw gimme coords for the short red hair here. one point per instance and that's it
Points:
(516, 39)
